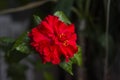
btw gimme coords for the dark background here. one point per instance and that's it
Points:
(89, 16)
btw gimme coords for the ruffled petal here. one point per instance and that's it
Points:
(52, 39)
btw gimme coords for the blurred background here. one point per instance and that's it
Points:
(89, 17)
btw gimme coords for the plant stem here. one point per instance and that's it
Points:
(25, 7)
(107, 41)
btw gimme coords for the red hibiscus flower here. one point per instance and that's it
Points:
(54, 39)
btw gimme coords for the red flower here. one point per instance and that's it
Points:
(53, 39)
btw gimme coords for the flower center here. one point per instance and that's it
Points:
(61, 35)
(65, 43)
(62, 38)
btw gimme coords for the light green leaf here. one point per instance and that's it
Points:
(24, 48)
(62, 17)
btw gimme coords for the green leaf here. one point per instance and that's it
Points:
(22, 44)
(67, 66)
(62, 17)
(37, 19)
(14, 56)
(24, 48)
(6, 40)
(11, 56)
(5, 43)
(20, 40)
(77, 59)
(65, 6)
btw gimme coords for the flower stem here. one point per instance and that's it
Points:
(107, 41)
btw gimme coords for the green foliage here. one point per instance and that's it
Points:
(36, 19)
(94, 29)
(22, 44)
(20, 40)
(21, 48)
(67, 66)
(24, 48)
(5, 43)
(62, 17)
(15, 49)
(14, 56)
(77, 59)
(65, 6)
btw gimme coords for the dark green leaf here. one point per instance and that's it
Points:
(5, 43)
(6, 40)
(62, 17)
(14, 56)
(36, 19)
(11, 56)
(22, 44)
(20, 40)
